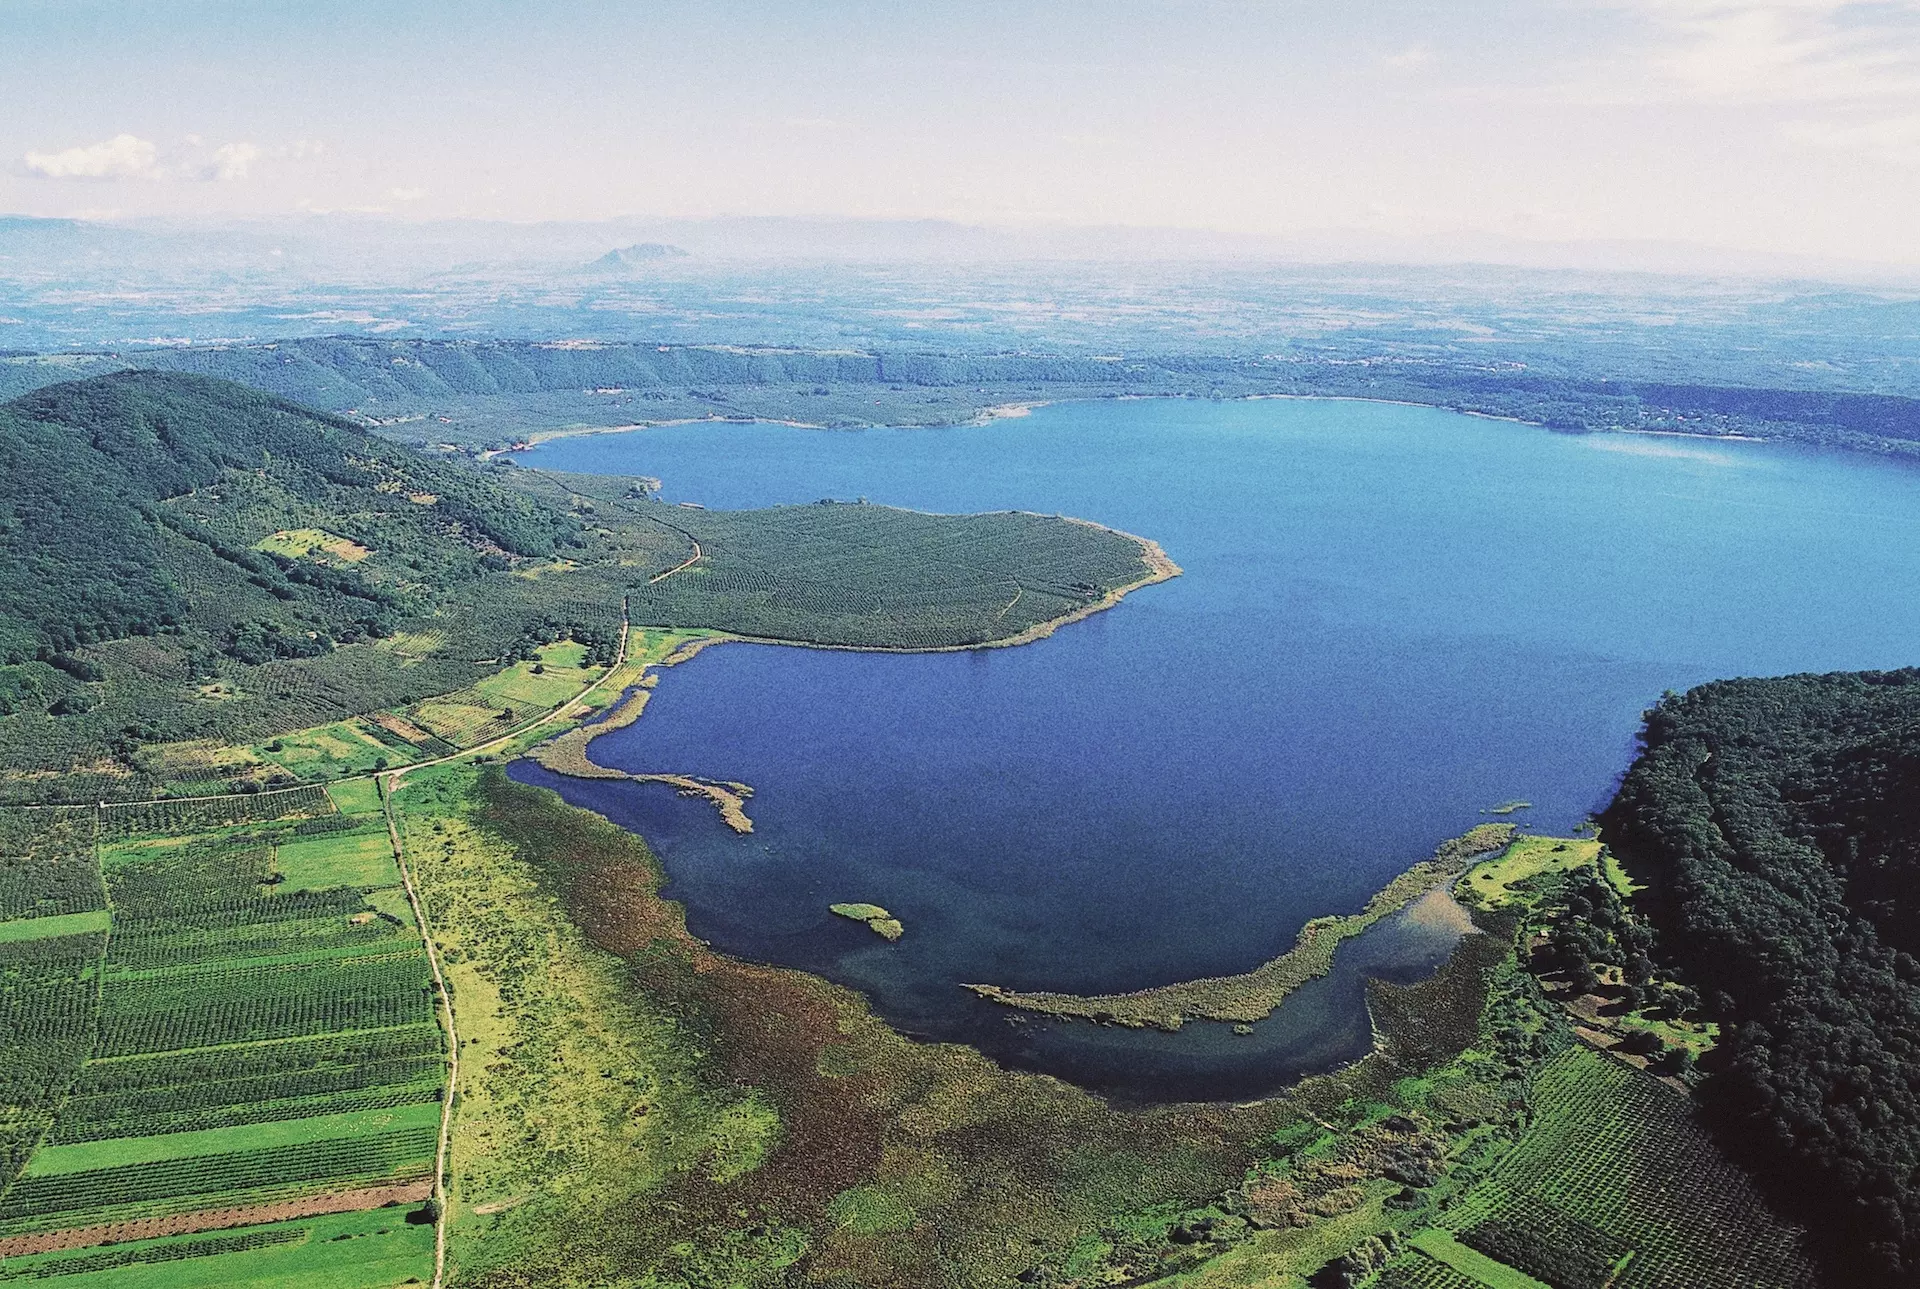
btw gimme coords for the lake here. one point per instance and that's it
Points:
(1391, 619)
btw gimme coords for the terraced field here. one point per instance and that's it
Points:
(1616, 1184)
(222, 1062)
(1612, 1182)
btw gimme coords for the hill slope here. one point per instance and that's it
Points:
(186, 560)
(83, 530)
(1776, 820)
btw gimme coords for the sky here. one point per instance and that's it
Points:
(1787, 127)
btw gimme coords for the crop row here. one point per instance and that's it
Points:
(1418, 1271)
(207, 1008)
(277, 1085)
(260, 1060)
(47, 992)
(1540, 1240)
(73, 1126)
(47, 864)
(431, 745)
(145, 946)
(133, 819)
(1615, 1149)
(467, 718)
(160, 912)
(206, 875)
(222, 1179)
(146, 1254)
(256, 1099)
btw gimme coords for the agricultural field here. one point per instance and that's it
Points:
(254, 1046)
(1616, 1184)
(1611, 1181)
(372, 1249)
(509, 697)
(337, 751)
(1484, 1145)
(208, 767)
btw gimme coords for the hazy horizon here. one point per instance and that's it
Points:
(1787, 129)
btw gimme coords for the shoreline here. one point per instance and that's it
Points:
(567, 753)
(1160, 568)
(1026, 407)
(1254, 995)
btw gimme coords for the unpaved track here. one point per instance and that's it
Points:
(391, 783)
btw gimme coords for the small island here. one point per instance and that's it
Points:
(882, 922)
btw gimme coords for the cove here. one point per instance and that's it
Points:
(1391, 618)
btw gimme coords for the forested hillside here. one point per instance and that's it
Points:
(1779, 824)
(85, 531)
(184, 561)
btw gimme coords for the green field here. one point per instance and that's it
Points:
(1526, 859)
(57, 924)
(301, 542)
(332, 751)
(562, 674)
(370, 1250)
(355, 796)
(361, 858)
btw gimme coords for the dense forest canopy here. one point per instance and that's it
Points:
(89, 462)
(1779, 823)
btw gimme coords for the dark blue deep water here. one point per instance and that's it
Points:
(1391, 618)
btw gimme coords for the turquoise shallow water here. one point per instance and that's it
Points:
(1391, 618)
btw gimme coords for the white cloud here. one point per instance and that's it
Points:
(127, 156)
(1781, 51)
(121, 157)
(1840, 75)
(232, 160)
(406, 194)
(1418, 56)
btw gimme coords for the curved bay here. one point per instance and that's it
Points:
(1391, 619)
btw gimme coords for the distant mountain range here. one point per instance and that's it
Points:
(358, 247)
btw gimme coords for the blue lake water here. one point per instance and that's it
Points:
(1391, 618)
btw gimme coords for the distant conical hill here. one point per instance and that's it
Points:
(639, 255)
